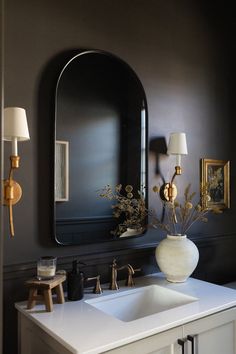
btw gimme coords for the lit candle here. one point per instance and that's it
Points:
(178, 160)
(46, 271)
(46, 268)
(14, 147)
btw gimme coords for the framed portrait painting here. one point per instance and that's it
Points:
(215, 174)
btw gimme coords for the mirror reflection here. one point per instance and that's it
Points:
(100, 139)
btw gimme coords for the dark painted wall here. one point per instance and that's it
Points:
(178, 55)
(182, 52)
(1, 171)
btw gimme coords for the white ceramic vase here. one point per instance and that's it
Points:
(177, 257)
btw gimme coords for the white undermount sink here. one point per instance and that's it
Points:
(141, 302)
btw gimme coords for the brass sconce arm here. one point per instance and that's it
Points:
(168, 191)
(15, 130)
(177, 146)
(178, 172)
(12, 191)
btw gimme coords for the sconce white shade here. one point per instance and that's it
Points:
(177, 144)
(15, 124)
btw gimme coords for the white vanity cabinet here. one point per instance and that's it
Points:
(162, 343)
(206, 325)
(33, 340)
(214, 334)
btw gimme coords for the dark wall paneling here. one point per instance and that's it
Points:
(217, 261)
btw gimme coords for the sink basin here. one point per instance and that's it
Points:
(138, 303)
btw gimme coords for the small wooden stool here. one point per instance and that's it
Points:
(45, 286)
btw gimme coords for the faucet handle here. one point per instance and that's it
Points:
(114, 264)
(131, 272)
(137, 270)
(97, 289)
(113, 284)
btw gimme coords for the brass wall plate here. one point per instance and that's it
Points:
(165, 192)
(17, 192)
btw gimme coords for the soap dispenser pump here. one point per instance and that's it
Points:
(75, 282)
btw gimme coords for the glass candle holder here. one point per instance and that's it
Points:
(46, 268)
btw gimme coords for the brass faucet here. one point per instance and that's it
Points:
(114, 270)
(131, 272)
(97, 288)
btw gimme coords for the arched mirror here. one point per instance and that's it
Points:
(100, 139)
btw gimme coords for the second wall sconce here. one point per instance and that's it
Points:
(15, 129)
(177, 146)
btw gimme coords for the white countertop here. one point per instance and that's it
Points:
(83, 329)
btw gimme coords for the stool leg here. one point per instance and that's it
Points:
(60, 294)
(47, 294)
(31, 300)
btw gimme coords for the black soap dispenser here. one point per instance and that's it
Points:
(75, 283)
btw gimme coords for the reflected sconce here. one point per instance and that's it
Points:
(15, 129)
(177, 146)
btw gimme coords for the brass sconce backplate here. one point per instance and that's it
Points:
(12, 192)
(168, 192)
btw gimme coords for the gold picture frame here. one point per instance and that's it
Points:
(215, 174)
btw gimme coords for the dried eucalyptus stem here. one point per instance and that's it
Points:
(181, 216)
(131, 211)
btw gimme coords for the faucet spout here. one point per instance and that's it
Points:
(131, 269)
(131, 272)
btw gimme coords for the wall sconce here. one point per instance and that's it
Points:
(15, 129)
(177, 146)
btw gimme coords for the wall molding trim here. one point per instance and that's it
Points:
(102, 260)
